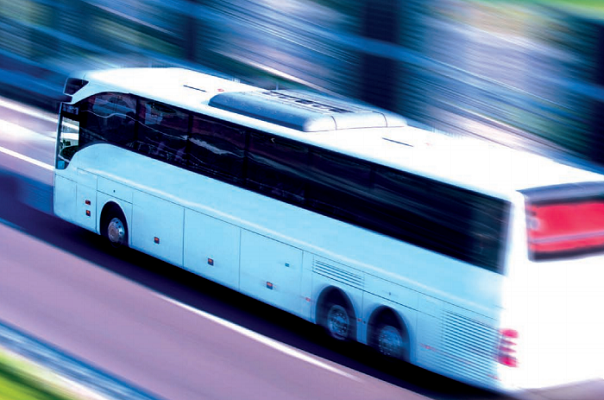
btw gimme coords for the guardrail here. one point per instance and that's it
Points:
(69, 367)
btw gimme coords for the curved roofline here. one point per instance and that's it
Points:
(470, 163)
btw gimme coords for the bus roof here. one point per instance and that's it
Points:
(345, 126)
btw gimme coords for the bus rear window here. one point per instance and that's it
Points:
(565, 228)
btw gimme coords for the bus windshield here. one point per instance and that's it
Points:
(69, 135)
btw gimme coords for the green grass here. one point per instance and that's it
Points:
(22, 382)
(12, 388)
(578, 5)
(591, 9)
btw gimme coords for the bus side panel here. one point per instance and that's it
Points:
(306, 287)
(212, 248)
(271, 271)
(407, 316)
(457, 343)
(115, 189)
(86, 207)
(391, 291)
(429, 334)
(380, 292)
(157, 227)
(65, 193)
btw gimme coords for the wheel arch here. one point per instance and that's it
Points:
(108, 207)
(112, 206)
(335, 294)
(387, 313)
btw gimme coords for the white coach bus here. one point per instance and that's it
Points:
(469, 259)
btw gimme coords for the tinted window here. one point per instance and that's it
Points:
(163, 132)
(339, 187)
(216, 149)
(108, 117)
(334, 169)
(277, 167)
(453, 221)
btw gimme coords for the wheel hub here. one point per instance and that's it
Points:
(390, 342)
(338, 322)
(116, 231)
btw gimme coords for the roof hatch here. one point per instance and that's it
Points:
(307, 112)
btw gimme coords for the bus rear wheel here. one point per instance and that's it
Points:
(337, 318)
(389, 339)
(337, 322)
(115, 229)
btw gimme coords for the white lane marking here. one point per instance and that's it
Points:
(26, 158)
(17, 132)
(262, 339)
(27, 111)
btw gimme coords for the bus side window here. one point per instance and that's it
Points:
(163, 132)
(419, 213)
(339, 187)
(216, 149)
(474, 222)
(453, 221)
(488, 230)
(108, 117)
(277, 167)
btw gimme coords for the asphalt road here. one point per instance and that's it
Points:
(174, 334)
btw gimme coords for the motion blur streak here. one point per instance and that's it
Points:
(524, 73)
(27, 159)
(262, 339)
(18, 107)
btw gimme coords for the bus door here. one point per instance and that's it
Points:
(65, 185)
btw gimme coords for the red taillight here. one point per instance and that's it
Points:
(509, 333)
(506, 352)
(566, 226)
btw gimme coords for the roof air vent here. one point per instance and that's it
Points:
(307, 112)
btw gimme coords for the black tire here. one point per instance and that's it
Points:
(390, 339)
(338, 320)
(115, 227)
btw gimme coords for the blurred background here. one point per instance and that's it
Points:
(526, 73)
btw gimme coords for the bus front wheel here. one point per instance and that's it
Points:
(115, 228)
